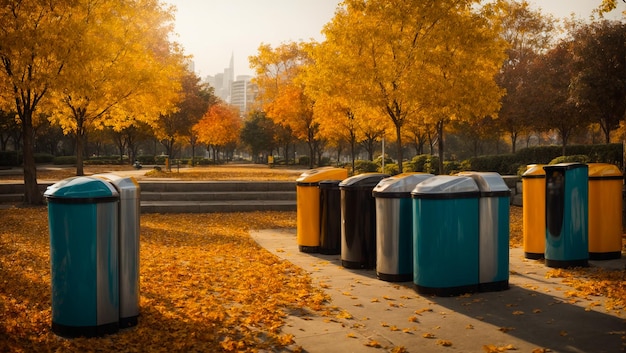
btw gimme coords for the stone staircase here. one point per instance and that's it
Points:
(195, 196)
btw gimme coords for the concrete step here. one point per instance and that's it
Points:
(216, 206)
(217, 196)
(195, 196)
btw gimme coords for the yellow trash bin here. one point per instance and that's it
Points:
(308, 205)
(605, 211)
(534, 211)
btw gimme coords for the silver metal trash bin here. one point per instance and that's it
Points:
(493, 233)
(128, 239)
(394, 226)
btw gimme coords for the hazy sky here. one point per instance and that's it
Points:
(212, 30)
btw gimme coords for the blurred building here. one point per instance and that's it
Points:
(243, 93)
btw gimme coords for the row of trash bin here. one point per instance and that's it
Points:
(572, 213)
(449, 234)
(94, 254)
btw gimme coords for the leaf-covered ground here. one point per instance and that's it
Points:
(205, 286)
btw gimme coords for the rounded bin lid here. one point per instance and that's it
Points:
(564, 166)
(399, 186)
(81, 190)
(534, 171)
(329, 184)
(446, 187)
(362, 181)
(489, 183)
(127, 187)
(313, 176)
(604, 171)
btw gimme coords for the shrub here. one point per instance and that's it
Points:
(64, 160)
(391, 169)
(43, 158)
(577, 158)
(146, 159)
(303, 160)
(362, 166)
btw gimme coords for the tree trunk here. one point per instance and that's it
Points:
(399, 146)
(79, 148)
(32, 195)
(440, 144)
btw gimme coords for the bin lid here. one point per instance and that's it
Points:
(564, 166)
(604, 171)
(127, 187)
(446, 187)
(329, 184)
(399, 186)
(534, 171)
(312, 176)
(362, 181)
(489, 183)
(81, 190)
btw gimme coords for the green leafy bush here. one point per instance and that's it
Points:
(43, 158)
(362, 166)
(64, 160)
(577, 158)
(10, 158)
(391, 169)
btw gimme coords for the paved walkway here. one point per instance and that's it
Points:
(534, 313)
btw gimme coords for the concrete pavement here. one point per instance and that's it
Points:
(371, 315)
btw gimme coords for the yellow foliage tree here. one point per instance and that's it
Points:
(135, 76)
(219, 127)
(282, 91)
(412, 49)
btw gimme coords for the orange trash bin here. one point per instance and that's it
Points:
(534, 211)
(605, 211)
(308, 205)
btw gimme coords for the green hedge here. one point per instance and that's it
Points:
(512, 163)
(64, 160)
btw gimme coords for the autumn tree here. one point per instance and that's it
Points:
(36, 44)
(551, 76)
(105, 89)
(258, 134)
(528, 33)
(433, 55)
(282, 89)
(219, 127)
(599, 84)
(195, 100)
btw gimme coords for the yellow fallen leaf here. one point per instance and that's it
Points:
(428, 335)
(373, 343)
(444, 343)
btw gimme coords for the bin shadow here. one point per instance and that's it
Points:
(542, 319)
(538, 313)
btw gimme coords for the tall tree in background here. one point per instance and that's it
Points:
(529, 33)
(282, 89)
(219, 127)
(420, 58)
(104, 89)
(194, 103)
(258, 134)
(36, 44)
(599, 84)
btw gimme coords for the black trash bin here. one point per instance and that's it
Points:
(82, 216)
(330, 217)
(358, 220)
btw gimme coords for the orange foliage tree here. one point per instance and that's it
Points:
(219, 127)
(282, 90)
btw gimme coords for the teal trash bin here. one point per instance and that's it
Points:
(128, 239)
(493, 228)
(445, 236)
(394, 226)
(358, 221)
(83, 221)
(567, 239)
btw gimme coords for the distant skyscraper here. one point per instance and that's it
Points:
(222, 81)
(242, 94)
